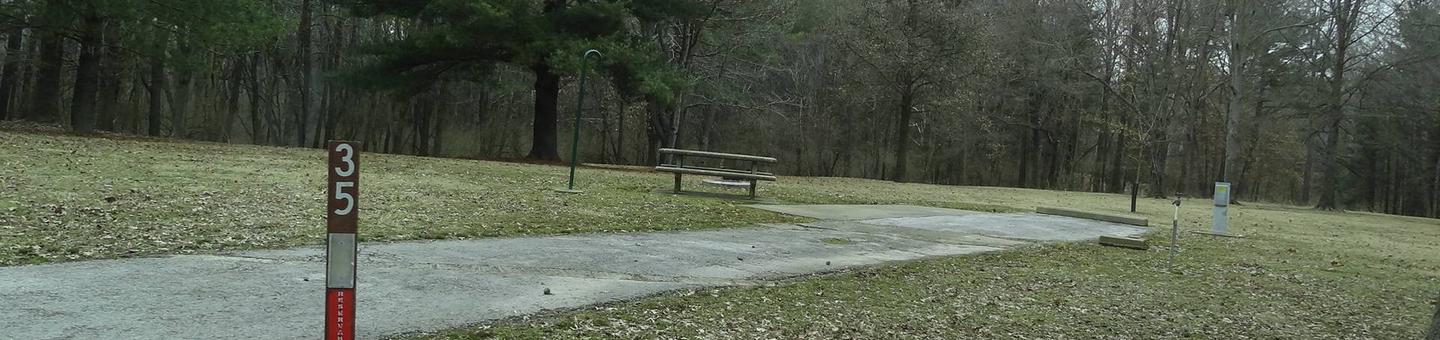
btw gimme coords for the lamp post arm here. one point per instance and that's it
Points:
(579, 107)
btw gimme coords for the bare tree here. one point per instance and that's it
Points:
(309, 85)
(13, 44)
(1348, 23)
(912, 47)
(45, 100)
(87, 72)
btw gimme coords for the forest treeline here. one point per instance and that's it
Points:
(1332, 103)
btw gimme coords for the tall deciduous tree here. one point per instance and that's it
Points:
(14, 39)
(87, 70)
(50, 65)
(912, 47)
(308, 82)
(470, 36)
(156, 84)
(1347, 24)
(1240, 14)
(1250, 23)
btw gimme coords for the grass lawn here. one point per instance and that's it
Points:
(1299, 273)
(70, 198)
(66, 198)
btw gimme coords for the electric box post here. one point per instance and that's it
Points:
(1221, 225)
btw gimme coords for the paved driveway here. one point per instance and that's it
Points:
(416, 286)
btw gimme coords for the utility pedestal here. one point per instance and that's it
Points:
(1221, 225)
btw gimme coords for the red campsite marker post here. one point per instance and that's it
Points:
(342, 220)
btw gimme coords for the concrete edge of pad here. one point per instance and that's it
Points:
(1131, 220)
(1124, 242)
(1199, 232)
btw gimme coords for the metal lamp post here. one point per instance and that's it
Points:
(579, 108)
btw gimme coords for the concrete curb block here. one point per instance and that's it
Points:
(1199, 232)
(1125, 242)
(1131, 220)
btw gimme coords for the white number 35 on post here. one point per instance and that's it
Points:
(345, 169)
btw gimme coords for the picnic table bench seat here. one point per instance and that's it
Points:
(740, 167)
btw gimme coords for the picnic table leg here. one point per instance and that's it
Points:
(679, 162)
(752, 189)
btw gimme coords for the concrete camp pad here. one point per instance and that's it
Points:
(916, 233)
(1027, 226)
(836, 212)
(406, 287)
(210, 297)
(950, 223)
(424, 286)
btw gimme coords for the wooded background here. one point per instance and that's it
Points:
(1334, 103)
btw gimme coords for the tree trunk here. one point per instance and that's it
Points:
(333, 112)
(181, 99)
(1235, 106)
(307, 72)
(1187, 159)
(1117, 161)
(547, 98)
(1344, 14)
(1306, 179)
(1395, 201)
(657, 131)
(423, 111)
(707, 129)
(134, 92)
(1329, 182)
(25, 81)
(437, 115)
(800, 141)
(1022, 178)
(87, 75)
(1372, 182)
(232, 96)
(1063, 160)
(9, 77)
(45, 98)
(321, 115)
(605, 145)
(1102, 149)
(620, 132)
(253, 76)
(156, 89)
(902, 135)
(1159, 159)
(1434, 207)
(1135, 189)
(547, 94)
(677, 117)
(337, 96)
(112, 79)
